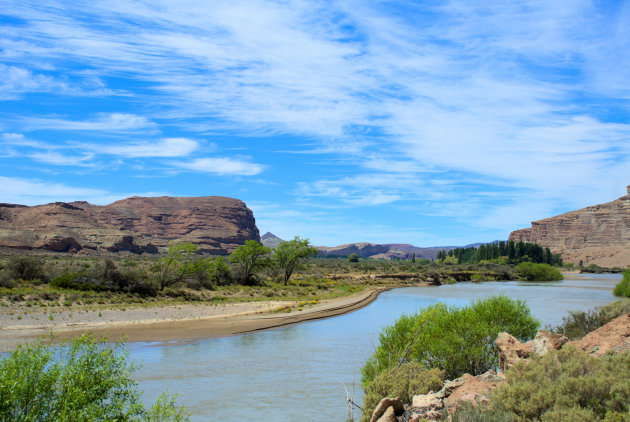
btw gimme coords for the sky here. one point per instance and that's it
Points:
(425, 122)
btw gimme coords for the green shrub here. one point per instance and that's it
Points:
(86, 381)
(404, 382)
(455, 340)
(538, 272)
(468, 412)
(567, 384)
(579, 323)
(26, 268)
(623, 288)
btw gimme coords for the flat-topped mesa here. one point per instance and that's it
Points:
(599, 234)
(217, 224)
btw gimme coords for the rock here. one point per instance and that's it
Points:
(598, 234)
(427, 401)
(473, 388)
(396, 404)
(138, 225)
(388, 416)
(511, 350)
(613, 336)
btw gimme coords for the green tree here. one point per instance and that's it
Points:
(251, 257)
(455, 340)
(177, 263)
(84, 382)
(288, 255)
(353, 257)
(538, 272)
(622, 289)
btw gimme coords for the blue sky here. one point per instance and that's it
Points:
(424, 122)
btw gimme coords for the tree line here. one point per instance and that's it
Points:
(509, 252)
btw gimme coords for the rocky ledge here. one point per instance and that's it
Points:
(217, 224)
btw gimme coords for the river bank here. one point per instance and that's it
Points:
(180, 323)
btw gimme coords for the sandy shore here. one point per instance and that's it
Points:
(187, 322)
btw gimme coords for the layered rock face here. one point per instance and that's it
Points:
(596, 235)
(217, 224)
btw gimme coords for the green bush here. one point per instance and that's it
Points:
(26, 268)
(538, 272)
(579, 323)
(403, 382)
(455, 340)
(468, 412)
(85, 381)
(567, 384)
(623, 288)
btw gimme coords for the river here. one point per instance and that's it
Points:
(301, 372)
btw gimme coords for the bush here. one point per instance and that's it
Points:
(455, 340)
(26, 268)
(623, 288)
(538, 272)
(579, 323)
(468, 412)
(86, 381)
(567, 384)
(404, 382)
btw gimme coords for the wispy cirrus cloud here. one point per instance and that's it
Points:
(221, 166)
(168, 147)
(108, 122)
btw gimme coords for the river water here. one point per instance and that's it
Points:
(301, 372)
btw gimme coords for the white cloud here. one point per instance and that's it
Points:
(35, 192)
(61, 159)
(108, 122)
(222, 166)
(168, 147)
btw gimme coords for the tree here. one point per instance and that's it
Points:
(288, 255)
(84, 382)
(251, 257)
(177, 263)
(353, 257)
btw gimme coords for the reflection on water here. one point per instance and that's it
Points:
(299, 372)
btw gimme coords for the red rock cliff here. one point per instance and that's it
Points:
(217, 224)
(597, 235)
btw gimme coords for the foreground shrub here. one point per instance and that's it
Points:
(538, 272)
(567, 384)
(86, 381)
(455, 340)
(623, 288)
(579, 323)
(404, 382)
(467, 412)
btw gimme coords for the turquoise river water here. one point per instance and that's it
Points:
(301, 372)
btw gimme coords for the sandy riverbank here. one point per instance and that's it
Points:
(187, 322)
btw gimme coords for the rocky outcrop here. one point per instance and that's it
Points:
(270, 240)
(511, 350)
(217, 224)
(613, 336)
(387, 410)
(599, 234)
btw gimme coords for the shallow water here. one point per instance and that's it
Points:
(299, 372)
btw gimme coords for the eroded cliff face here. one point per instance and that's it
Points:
(217, 224)
(596, 235)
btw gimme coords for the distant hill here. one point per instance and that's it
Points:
(270, 240)
(599, 234)
(384, 251)
(217, 224)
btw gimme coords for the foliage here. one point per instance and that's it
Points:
(353, 257)
(26, 268)
(468, 412)
(85, 381)
(403, 382)
(623, 288)
(579, 323)
(509, 252)
(538, 272)
(288, 255)
(251, 257)
(567, 384)
(176, 264)
(456, 340)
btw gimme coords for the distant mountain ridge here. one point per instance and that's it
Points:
(270, 240)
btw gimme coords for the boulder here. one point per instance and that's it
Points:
(388, 416)
(511, 350)
(381, 408)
